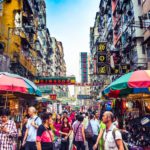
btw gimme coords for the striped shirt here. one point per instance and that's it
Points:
(77, 129)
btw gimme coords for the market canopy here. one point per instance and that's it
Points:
(130, 83)
(17, 84)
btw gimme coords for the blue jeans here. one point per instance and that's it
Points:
(91, 142)
(80, 145)
(65, 145)
(30, 146)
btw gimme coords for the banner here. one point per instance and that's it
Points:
(89, 84)
(55, 81)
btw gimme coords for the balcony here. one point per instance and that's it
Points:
(27, 63)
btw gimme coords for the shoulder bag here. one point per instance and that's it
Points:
(74, 142)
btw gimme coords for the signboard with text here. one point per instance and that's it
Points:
(55, 81)
(53, 96)
(116, 70)
(84, 97)
(101, 58)
(102, 69)
(102, 47)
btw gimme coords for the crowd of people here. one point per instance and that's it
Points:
(66, 131)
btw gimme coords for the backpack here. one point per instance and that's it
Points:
(89, 131)
(124, 143)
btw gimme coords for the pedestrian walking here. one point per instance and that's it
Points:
(86, 120)
(65, 114)
(65, 131)
(96, 116)
(25, 120)
(95, 128)
(8, 132)
(45, 136)
(57, 125)
(112, 137)
(79, 134)
(31, 132)
(100, 140)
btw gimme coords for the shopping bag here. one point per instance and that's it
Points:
(74, 147)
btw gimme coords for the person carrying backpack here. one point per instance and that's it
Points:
(31, 130)
(112, 136)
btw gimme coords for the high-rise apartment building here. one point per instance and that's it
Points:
(121, 24)
(84, 67)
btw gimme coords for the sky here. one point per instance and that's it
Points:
(69, 21)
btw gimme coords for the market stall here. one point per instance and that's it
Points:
(132, 104)
(16, 94)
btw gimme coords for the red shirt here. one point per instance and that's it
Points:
(65, 129)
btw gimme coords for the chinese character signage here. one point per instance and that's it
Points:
(116, 70)
(53, 96)
(125, 68)
(84, 97)
(101, 47)
(102, 69)
(55, 81)
(102, 58)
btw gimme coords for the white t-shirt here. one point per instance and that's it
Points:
(109, 141)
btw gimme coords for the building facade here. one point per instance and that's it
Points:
(119, 23)
(146, 30)
(84, 67)
(26, 46)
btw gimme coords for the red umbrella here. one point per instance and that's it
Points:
(12, 84)
(17, 84)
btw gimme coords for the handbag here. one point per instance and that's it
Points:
(89, 131)
(53, 144)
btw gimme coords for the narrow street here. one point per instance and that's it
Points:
(74, 74)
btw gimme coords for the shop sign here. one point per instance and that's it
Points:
(101, 58)
(102, 47)
(88, 84)
(116, 70)
(102, 69)
(53, 96)
(125, 68)
(84, 97)
(55, 81)
(45, 89)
